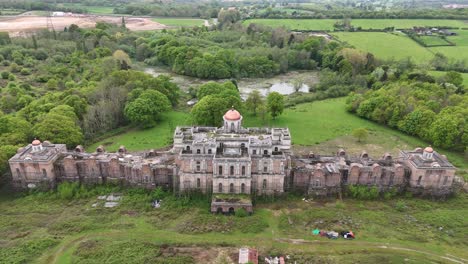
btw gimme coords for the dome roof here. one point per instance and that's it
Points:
(232, 115)
(428, 149)
(36, 142)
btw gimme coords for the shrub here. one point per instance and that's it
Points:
(25, 71)
(241, 212)
(67, 190)
(363, 192)
(400, 206)
(5, 75)
(11, 77)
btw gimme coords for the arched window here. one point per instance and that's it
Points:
(243, 145)
(445, 180)
(276, 149)
(18, 172)
(243, 170)
(220, 170)
(198, 166)
(317, 183)
(243, 188)
(264, 185)
(232, 127)
(231, 188)
(254, 152)
(198, 151)
(44, 173)
(231, 172)
(209, 151)
(419, 180)
(220, 188)
(188, 148)
(198, 183)
(265, 168)
(265, 152)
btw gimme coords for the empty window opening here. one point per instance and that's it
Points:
(231, 188)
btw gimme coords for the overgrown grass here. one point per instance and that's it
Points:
(98, 10)
(48, 228)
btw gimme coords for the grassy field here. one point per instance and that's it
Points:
(461, 39)
(153, 138)
(441, 73)
(43, 228)
(179, 22)
(433, 40)
(456, 52)
(386, 45)
(327, 24)
(406, 23)
(99, 10)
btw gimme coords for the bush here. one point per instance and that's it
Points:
(241, 212)
(25, 71)
(363, 192)
(11, 77)
(67, 190)
(400, 206)
(5, 75)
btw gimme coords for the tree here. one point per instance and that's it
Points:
(211, 88)
(59, 129)
(147, 108)
(360, 133)
(454, 78)
(123, 59)
(209, 111)
(254, 101)
(275, 104)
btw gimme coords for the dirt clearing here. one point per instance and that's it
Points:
(24, 25)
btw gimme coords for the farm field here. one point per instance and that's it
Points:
(179, 22)
(386, 45)
(327, 24)
(433, 40)
(461, 39)
(453, 52)
(54, 229)
(407, 23)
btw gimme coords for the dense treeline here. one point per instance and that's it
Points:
(255, 51)
(416, 103)
(71, 86)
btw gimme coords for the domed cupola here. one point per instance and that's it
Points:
(36, 146)
(232, 120)
(428, 153)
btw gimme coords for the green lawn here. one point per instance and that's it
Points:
(386, 45)
(179, 22)
(461, 39)
(99, 10)
(327, 24)
(441, 73)
(144, 139)
(433, 40)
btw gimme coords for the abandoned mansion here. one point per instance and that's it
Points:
(232, 160)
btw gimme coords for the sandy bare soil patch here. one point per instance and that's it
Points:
(24, 25)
